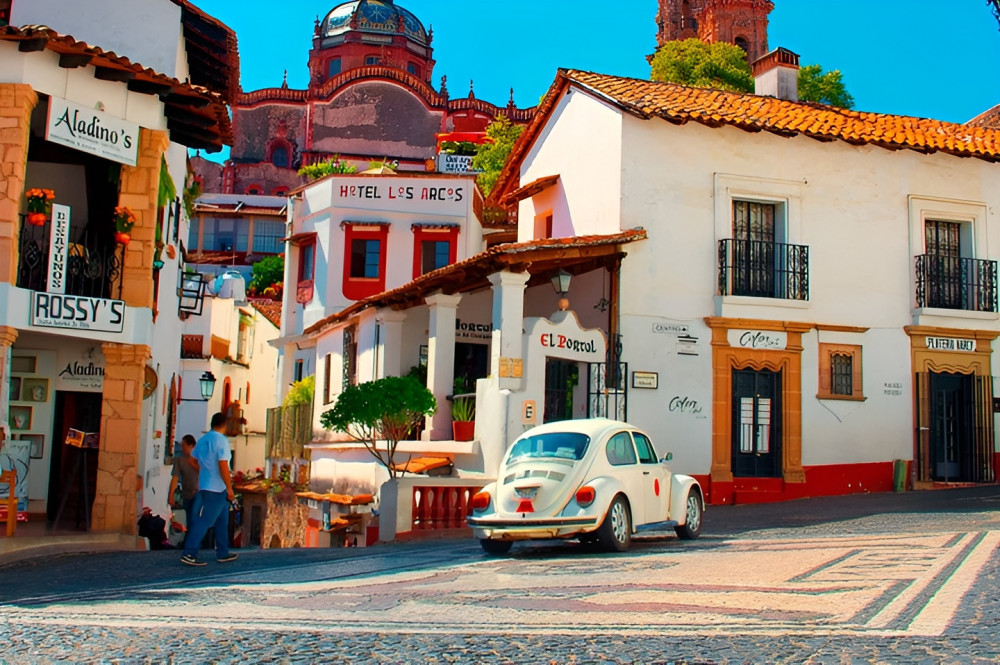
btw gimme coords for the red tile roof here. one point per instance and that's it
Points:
(207, 105)
(680, 104)
(269, 309)
(472, 272)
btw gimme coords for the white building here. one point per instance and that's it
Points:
(98, 350)
(789, 297)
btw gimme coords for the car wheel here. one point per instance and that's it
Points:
(615, 533)
(692, 518)
(495, 547)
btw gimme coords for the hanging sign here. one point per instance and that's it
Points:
(58, 249)
(951, 344)
(92, 131)
(768, 340)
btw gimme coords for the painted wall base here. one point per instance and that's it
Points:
(825, 480)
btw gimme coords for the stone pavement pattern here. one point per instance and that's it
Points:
(877, 588)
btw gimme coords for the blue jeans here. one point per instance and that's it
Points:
(214, 512)
(191, 506)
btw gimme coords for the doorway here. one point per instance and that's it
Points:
(951, 425)
(756, 432)
(561, 379)
(82, 411)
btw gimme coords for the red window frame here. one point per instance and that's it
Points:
(423, 234)
(359, 288)
(304, 283)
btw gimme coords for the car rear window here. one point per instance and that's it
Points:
(564, 445)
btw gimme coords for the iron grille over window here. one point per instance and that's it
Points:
(956, 283)
(763, 269)
(841, 374)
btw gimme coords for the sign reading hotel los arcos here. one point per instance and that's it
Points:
(55, 310)
(92, 131)
(768, 340)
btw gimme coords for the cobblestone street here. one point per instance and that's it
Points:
(864, 579)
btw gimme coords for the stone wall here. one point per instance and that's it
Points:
(16, 103)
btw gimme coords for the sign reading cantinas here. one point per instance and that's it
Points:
(92, 131)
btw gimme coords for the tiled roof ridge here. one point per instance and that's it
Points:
(269, 309)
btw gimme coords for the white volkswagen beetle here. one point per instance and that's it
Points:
(594, 479)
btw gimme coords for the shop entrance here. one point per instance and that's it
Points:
(756, 433)
(951, 425)
(81, 411)
(561, 378)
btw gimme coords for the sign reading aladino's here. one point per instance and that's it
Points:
(92, 131)
(55, 310)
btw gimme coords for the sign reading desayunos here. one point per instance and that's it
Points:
(92, 131)
(58, 249)
(766, 340)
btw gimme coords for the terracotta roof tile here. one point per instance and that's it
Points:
(715, 108)
(269, 309)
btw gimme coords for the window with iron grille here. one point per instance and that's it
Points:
(350, 357)
(327, 364)
(841, 374)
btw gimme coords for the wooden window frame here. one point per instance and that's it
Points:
(826, 353)
(327, 373)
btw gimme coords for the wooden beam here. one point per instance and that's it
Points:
(149, 87)
(113, 74)
(186, 100)
(187, 117)
(74, 60)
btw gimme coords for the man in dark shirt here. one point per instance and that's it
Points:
(187, 474)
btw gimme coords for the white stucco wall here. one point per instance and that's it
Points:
(145, 31)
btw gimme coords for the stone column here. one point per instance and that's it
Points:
(140, 186)
(8, 336)
(121, 438)
(508, 323)
(441, 362)
(392, 341)
(17, 100)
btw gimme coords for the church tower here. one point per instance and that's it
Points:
(739, 22)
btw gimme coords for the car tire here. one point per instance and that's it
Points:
(615, 532)
(693, 510)
(495, 547)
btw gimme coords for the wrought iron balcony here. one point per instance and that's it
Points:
(93, 265)
(952, 282)
(763, 269)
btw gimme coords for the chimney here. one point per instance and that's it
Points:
(776, 74)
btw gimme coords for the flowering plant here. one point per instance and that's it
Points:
(39, 205)
(124, 219)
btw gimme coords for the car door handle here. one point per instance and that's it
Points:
(645, 473)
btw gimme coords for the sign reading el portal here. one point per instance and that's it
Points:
(92, 131)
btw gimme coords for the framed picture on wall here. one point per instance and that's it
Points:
(35, 390)
(20, 417)
(37, 444)
(15, 388)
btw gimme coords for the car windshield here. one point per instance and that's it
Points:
(564, 445)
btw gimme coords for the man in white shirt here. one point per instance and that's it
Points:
(211, 458)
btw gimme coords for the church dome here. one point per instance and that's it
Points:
(373, 16)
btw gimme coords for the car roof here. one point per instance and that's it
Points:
(595, 428)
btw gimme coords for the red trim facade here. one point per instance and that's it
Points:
(423, 234)
(359, 288)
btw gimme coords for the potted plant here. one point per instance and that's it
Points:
(124, 221)
(463, 418)
(39, 205)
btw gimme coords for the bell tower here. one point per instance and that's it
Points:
(739, 22)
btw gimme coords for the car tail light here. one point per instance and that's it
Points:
(481, 501)
(585, 496)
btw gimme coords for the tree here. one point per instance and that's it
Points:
(386, 409)
(825, 88)
(492, 156)
(267, 272)
(693, 62)
(332, 165)
(301, 392)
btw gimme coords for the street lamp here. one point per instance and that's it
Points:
(207, 383)
(560, 282)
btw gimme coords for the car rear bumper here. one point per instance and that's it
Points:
(531, 529)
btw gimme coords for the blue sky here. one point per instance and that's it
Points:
(912, 57)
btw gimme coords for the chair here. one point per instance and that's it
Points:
(9, 478)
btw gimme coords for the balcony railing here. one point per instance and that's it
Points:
(952, 282)
(763, 269)
(93, 265)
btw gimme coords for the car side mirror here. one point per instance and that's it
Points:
(667, 457)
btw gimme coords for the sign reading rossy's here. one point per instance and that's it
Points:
(55, 310)
(92, 131)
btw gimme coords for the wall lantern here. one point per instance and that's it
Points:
(560, 282)
(207, 383)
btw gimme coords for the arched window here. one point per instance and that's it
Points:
(280, 191)
(279, 157)
(254, 189)
(227, 393)
(742, 43)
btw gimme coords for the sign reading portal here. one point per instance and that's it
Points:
(55, 310)
(92, 131)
